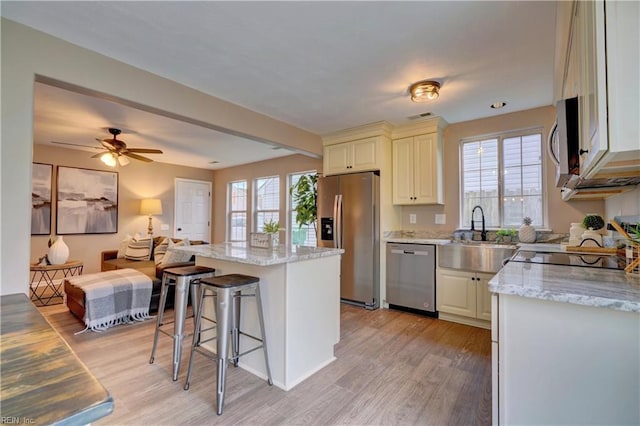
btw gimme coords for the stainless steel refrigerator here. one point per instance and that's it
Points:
(349, 216)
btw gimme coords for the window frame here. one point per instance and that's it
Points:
(230, 211)
(255, 210)
(501, 136)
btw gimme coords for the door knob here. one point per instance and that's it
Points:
(179, 229)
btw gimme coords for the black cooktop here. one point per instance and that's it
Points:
(571, 259)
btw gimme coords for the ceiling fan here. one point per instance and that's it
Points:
(116, 150)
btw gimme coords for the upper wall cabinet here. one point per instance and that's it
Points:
(417, 170)
(417, 164)
(601, 45)
(349, 157)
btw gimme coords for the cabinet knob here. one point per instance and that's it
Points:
(583, 151)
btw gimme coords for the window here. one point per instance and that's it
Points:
(237, 211)
(304, 235)
(503, 175)
(267, 201)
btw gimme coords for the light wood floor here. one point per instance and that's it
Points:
(392, 368)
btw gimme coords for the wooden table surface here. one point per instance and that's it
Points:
(42, 381)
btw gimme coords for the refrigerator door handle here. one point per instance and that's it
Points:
(337, 214)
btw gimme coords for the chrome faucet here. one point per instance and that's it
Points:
(483, 233)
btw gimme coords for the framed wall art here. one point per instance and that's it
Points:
(41, 177)
(87, 201)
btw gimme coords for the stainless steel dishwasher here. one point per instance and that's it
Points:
(411, 277)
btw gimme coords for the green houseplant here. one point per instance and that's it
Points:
(505, 235)
(304, 194)
(273, 228)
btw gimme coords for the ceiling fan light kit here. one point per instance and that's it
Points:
(108, 159)
(118, 153)
(425, 90)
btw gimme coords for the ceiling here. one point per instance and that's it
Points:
(320, 66)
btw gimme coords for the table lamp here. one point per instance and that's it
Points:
(150, 207)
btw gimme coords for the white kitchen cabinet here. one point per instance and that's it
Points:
(601, 68)
(562, 363)
(417, 170)
(593, 96)
(349, 157)
(463, 296)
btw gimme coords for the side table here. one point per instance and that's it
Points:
(46, 275)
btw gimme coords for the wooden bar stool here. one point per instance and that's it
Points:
(181, 277)
(225, 290)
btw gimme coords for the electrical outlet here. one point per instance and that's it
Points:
(412, 218)
(441, 219)
(164, 227)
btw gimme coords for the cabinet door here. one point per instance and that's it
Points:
(403, 161)
(483, 300)
(593, 111)
(571, 84)
(456, 292)
(364, 155)
(337, 158)
(427, 170)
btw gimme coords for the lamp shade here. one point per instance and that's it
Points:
(150, 206)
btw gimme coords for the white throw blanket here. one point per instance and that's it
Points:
(114, 297)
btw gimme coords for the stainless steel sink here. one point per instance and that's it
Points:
(474, 256)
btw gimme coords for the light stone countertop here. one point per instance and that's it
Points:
(604, 288)
(242, 253)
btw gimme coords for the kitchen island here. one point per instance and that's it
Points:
(565, 345)
(300, 288)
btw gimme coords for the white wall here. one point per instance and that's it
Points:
(26, 54)
(625, 204)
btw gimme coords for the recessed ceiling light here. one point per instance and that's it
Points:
(498, 105)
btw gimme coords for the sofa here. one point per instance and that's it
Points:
(109, 260)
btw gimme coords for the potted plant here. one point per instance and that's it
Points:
(273, 229)
(304, 194)
(505, 235)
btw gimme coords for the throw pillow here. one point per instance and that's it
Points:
(139, 249)
(122, 248)
(175, 256)
(160, 250)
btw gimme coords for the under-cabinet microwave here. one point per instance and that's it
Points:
(564, 141)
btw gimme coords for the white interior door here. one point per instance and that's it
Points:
(193, 209)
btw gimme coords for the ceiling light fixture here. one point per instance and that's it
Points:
(109, 159)
(498, 105)
(426, 90)
(123, 160)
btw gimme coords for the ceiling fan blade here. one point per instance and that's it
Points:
(138, 157)
(107, 144)
(76, 144)
(100, 154)
(145, 150)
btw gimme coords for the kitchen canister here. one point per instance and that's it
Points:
(575, 234)
(58, 252)
(591, 238)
